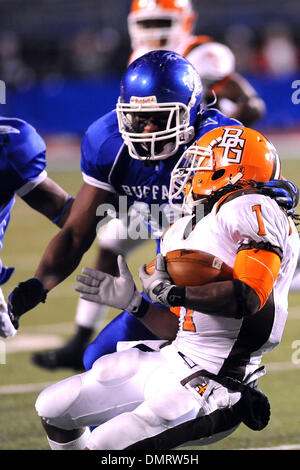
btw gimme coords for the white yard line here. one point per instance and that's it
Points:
(283, 447)
(32, 342)
(281, 366)
(23, 388)
(63, 328)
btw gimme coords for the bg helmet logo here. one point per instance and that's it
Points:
(232, 144)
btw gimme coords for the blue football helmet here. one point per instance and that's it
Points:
(160, 99)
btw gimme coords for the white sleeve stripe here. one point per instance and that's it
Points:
(99, 184)
(30, 185)
(278, 167)
(263, 265)
(115, 162)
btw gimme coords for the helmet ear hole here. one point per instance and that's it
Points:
(218, 174)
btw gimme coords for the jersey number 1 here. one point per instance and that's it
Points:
(188, 324)
(261, 227)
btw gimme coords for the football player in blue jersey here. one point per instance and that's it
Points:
(130, 152)
(164, 24)
(23, 173)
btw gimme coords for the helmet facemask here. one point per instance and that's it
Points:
(194, 159)
(172, 121)
(156, 30)
(196, 176)
(224, 160)
(163, 88)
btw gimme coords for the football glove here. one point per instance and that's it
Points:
(159, 287)
(24, 297)
(116, 291)
(285, 193)
(6, 327)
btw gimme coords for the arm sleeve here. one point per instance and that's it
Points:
(96, 163)
(258, 269)
(26, 155)
(259, 231)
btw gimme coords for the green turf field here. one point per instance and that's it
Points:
(20, 381)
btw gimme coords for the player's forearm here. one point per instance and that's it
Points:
(51, 200)
(228, 298)
(162, 323)
(61, 258)
(217, 298)
(250, 111)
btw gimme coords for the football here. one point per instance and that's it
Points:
(194, 268)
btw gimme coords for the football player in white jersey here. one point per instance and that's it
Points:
(159, 24)
(202, 383)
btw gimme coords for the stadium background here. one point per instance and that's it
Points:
(61, 61)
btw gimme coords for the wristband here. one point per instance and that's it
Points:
(62, 212)
(142, 309)
(176, 296)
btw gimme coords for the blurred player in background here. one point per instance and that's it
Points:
(161, 24)
(169, 24)
(198, 386)
(23, 173)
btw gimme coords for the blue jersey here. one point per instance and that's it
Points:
(22, 167)
(106, 163)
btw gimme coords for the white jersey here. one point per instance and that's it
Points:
(212, 60)
(227, 345)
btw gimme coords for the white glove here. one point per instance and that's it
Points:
(6, 327)
(102, 288)
(157, 285)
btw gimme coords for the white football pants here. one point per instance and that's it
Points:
(133, 396)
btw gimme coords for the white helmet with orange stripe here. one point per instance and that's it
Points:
(155, 24)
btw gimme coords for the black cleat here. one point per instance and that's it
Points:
(58, 358)
(68, 356)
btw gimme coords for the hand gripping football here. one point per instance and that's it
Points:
(194, 268)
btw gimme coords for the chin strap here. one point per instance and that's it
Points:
(214, 101)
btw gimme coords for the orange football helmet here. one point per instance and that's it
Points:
(154, 24)
(227, 155)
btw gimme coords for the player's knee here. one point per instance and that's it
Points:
(114, 367)
(53, 403)
(169, 408)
